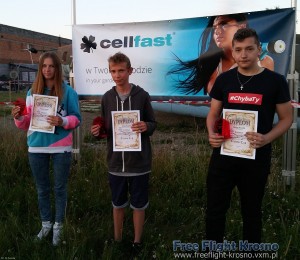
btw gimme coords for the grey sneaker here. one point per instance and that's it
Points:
(46, 228)
(57, 232)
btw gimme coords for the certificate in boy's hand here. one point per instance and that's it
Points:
(241, 121)
(124, 139)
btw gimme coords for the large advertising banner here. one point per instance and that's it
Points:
(177, 59)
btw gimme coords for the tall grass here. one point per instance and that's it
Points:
(177, 199)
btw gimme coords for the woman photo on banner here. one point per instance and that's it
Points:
(215, 56)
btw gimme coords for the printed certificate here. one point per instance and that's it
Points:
(241, 121)
(124, 139)
(43, 106)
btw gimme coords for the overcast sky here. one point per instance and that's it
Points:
(55, 17)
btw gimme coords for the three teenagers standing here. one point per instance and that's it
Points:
(128, 171)
(249, 176)
(46, 147)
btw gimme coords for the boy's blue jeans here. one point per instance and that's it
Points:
(40, 167)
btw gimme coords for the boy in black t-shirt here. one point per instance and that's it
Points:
(247, 87)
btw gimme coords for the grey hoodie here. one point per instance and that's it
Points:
(129, 163)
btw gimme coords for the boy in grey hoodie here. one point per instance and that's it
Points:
(128, 170)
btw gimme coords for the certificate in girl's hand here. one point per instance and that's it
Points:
(43, 106)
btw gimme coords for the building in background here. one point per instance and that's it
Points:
(20, 50)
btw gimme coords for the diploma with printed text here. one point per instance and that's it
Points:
(43, 106)
(124, 139)
(240, 121)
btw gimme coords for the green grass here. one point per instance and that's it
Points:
(177, 200)
(7, 96)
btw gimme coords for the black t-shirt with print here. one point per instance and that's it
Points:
(261, 93)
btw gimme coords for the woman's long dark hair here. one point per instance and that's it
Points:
(199, 70)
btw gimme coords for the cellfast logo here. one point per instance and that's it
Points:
(137, 41)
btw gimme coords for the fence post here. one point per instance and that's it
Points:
(77, 131)
(290, 138)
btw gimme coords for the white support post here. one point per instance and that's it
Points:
(77, 131)
(290, 138)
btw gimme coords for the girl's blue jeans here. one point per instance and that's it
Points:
(40, 167)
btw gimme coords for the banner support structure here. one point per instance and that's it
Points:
(77, 131)
(290, 137)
